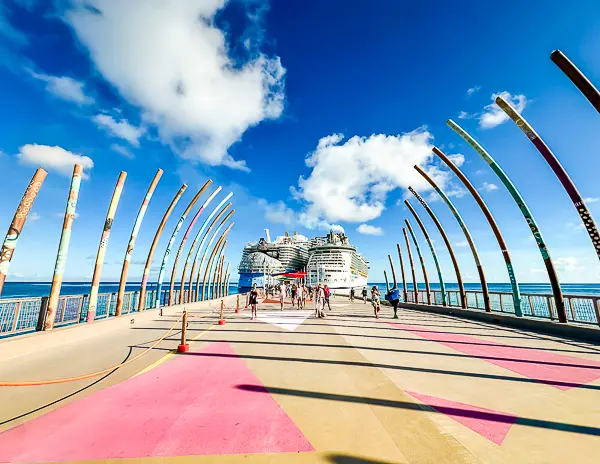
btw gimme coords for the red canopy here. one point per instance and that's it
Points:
(293, 275)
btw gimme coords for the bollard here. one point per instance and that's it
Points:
(183, 347)
(237, 304)
(247, 300)
(221, 320)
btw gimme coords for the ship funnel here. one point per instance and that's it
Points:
(268, 235)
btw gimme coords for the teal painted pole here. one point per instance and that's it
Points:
(414, 239)
(537, 234)
(432, 248)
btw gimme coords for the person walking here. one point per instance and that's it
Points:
(294, 292)
(375, 300)
(326, 295)
(352, 294)
(282, 293)
(320, 298)
(253, 300)
(393, 296)
(364, 295)
(300, 295)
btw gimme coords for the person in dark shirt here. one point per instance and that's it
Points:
(253, 300)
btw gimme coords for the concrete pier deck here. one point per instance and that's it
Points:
(290, 388)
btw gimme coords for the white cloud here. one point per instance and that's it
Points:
(493, 116)
(34, 216)
(458, 159)
(465, 115)
(277, 213)
(591, 200)
(474, 89)
(367, 229)
(577, 227)
(568, 264)
(169, 59)
(464, 243)
(122, 151)
(54, 158)
(480, 172)
(121, 129)
(350, 180)
(62, 215)
(65, 87)
(488, 187)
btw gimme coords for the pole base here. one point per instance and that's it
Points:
(238, 310)
(221, 321)
(183, 348)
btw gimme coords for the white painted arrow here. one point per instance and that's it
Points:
(288, 320)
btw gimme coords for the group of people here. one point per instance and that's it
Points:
(392, 295)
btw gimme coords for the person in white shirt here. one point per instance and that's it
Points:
(282, 293)
(300, 295)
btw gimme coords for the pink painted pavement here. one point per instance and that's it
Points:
(187, 406)
(560, 371)
(493, 425)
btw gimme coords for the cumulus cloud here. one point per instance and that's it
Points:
(121, 129)
(493, 116)
(350, 180)
(568, 264)
(591, 200)
(64, 88)
(474, 89)
(277, 213)
(464, 243)
(458, 159)
(169, 59)
(124, 151)
(487, 187)
(465, 115)
(367, 229)
(55, 158)
(34, 216)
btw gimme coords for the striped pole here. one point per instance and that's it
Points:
(405, 293)
(431, 248)
(393, 271)
(537, 234)
(387, 283)
(412, 267)
(16, 226)
(191, 297)
(516, 294)
(560, 172)
(225, 277)
(208, 247)
(467, 233)
(136, 228)
(110, 216)
(577, 77)
(163, 265)
(219, 263)
(212, 255)
(461, 287)
(414, 239)
(214, 272)
(157, 234)
(63, 247)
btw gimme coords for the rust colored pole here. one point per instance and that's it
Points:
(132, 238)
(193, 294)
(387, 283)
(559, 171)
(431, 248)
(414, 239)
(159, 231)
(393, 271)
(225, 277)
(516, 294)
(110, 216)
(10, 241)
(212, 255)
(402, 270)
(467, 234)
(210, 242)
(163, 266)
(63, 247)
(214, 272)
(461, 287)
(412, 267)
(577, 77)
(218, 270)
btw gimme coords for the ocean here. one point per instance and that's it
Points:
(37, 289)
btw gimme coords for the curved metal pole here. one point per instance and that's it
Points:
(431, 248)
(14, 230)
(227, 281)
(412, 267)
(225, 277)
(219, 271)
(193, 246)
(157, 234)
(405, 293)
(165, 259)
(387, 283)
(516, 294)
(216, 232)
(467, 233)
(212, 255)
(537, 234)
(577, 77)
(182, 245)
(393, 271)
(461, 287)
(212, 286)
(136, 228)
(63, 248)
(560, 172)
(414, 239)
(110, 216)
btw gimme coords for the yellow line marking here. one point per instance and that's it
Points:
(168, 355)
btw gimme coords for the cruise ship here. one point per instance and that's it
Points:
(335, 262)
(263, 259)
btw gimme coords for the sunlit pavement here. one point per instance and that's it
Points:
(289, 387)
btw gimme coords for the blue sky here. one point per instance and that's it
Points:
(312, 113)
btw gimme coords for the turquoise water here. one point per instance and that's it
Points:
(568, 289)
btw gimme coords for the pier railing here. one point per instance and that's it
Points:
(21, 315)
(584, 309)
